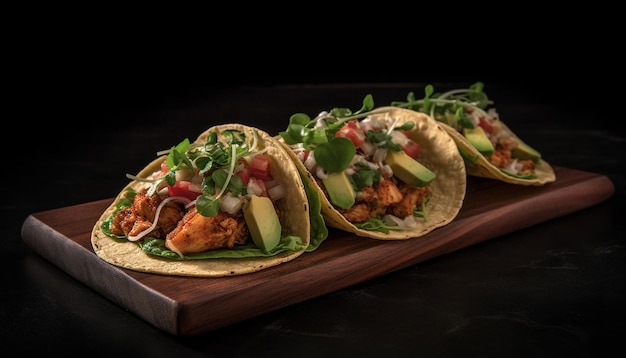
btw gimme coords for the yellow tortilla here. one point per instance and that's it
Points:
(294, 219)
(478, 165)
(438, 152)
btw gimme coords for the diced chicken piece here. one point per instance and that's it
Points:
(501, 157)
(387, 193)
(412, 197)
(140, 216)
(123, 221)
(366, 194)
(197, 233)
(528, 166)
(358, 213)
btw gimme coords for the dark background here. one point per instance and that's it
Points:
(81, 111)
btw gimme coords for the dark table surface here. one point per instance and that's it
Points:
(554, 289)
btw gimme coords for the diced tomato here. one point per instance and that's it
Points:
(411, 148)
(162, 171)
(260, 167)
(305, 154)
(487, 127)
(244, 175)
(185, 189)
(352, 132)
(354, 124)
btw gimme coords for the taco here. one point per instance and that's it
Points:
(490, 149)
(386, 173)
(230, 203)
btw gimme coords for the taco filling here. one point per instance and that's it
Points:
(231, 194)
(370, 168)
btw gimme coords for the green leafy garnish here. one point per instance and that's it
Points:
(331, 153)
(449, 107)
(319, 230)
(336, 155)
(364, 177)
(460, 108)
(376, 224)
(215, 159)
(335, 152)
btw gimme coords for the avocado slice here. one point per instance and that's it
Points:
(340, 190)
(408, 169)
(524, 151)
(262, 222)
(478, 138)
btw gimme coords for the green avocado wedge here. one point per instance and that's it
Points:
(340, 190)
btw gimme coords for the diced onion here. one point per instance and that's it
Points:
(254, 188)
(393, 220)
(230, 203)
(310, 161)
(514, 166)
(320, 121)
(379, 155)
(271, 183)
(404, 224)
(321, 173)
(399, 138)
(371, 165)
(410, 221)
(370, 123)
(277, 192)
(367, 148)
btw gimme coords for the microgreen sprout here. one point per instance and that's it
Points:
(449, 107)
(216, 160)
(331, 153)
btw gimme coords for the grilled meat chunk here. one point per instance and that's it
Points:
(197, 233)
(501, 158)
(386, 198)
(140, 216)
(412, 197)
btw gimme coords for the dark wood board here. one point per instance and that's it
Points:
(188, 306)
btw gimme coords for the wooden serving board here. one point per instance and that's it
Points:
(187, 305)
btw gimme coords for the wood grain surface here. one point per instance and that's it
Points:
(188, 306)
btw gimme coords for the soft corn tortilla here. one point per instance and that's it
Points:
(438, 152)
(478, 165)
(294, 218)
